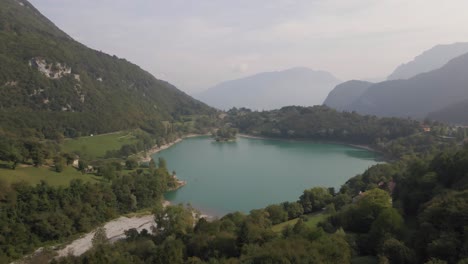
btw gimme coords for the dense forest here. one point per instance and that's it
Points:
(411, 211)
(32, 216)
(393, 137)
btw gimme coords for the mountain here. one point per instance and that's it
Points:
(419, 95)
(272, 90)
(455, 114)
(429, 60)
(343, 95)
(50, 82)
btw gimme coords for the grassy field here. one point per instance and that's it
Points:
(34, 175)
(97, 146)
(312, 221)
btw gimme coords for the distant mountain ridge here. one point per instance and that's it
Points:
(50, 82)
(271, 90)
(345, 94)
(429, 60)
(419, 95)
(436, 94)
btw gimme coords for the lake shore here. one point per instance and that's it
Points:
(366, 147)
(115, 230)
(146, 157)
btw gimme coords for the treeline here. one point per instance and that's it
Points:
(235, 238)
(31, 151)
(37, 147)
(425, 220)
(224, 134)
(393, 136)
(411, 211)
(321, 123)
(31, 216)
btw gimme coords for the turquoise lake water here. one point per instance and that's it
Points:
(253, 173)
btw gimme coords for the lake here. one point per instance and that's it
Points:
(253, 173)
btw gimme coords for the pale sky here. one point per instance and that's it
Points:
(195, 44)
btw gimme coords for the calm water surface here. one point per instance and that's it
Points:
(253, 173)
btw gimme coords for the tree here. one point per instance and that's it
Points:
(294, 209)
(69, 158)
(59, 164)
(107, 171)
(277, 214)
(82, 165)
(389, 223)
(100, 237)
(174, 220)
(131, 163)
(315, 199)
(396, 252)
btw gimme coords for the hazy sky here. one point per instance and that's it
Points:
(195, 44)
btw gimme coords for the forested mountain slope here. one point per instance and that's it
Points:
(51, 84)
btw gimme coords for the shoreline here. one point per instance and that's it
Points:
(366, 147)
(155, 149)
(115, 230)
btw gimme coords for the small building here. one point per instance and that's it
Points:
(426, 128)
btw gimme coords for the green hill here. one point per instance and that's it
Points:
(345, 94)
(52, 85)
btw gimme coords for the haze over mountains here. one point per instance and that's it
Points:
(344, 94)
(429, 60)
(439, 91)
(53, 83)
(271, 90)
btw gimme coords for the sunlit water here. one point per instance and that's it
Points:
(253, 173)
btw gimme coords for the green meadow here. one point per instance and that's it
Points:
(97, 146)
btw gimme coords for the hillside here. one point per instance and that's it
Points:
(454, 114)
(343, 95)
(272, 90)
(52, 85)
(419, 95)
(429, 60)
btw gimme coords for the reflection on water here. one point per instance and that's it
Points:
(223, 177)
(361, 154)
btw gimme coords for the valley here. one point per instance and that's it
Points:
(104, 161)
